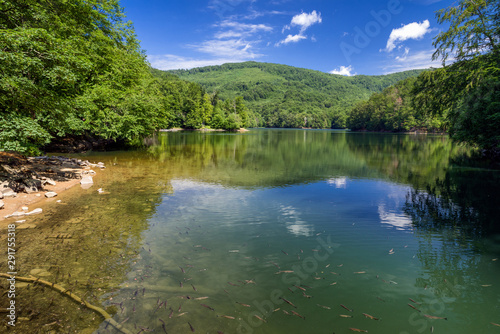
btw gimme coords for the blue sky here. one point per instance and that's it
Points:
(338, 36)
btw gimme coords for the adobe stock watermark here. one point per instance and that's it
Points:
(363, 37)
(432, 309)
(299, 273)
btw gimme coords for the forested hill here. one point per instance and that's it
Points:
(286, 96)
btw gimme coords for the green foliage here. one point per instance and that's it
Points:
(466, 92)
(21, 134)
(473, 30)
(392, 110)
(285, 96)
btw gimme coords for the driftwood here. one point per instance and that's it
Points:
(107, 317)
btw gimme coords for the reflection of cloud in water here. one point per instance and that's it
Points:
(338, 182)
(397, 219)
(293, 222)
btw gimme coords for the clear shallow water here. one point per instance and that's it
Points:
(216, 231)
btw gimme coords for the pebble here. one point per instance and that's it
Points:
(50, 194)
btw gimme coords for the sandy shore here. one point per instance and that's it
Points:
(72, 174)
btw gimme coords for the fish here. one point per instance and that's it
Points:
(360, 272)
(194, 288)
(246, 305)
(370, 316)
(299, 287)
(284, 272)
(328, 265)
(380, 299)
(358, 330)
(182, 269)
(325, 307)
(348, 309)
(434, 317)
(333, 283)
(234, 251)
(277, 309)
(183, 313)
(275, 264)
(432, 329)
(286, 312)
(298, 315)
(288, 302)
(201, 298)
(228, 317)
(210, 308)
(191, 326)
(307, 296)
(180, 284)
(255, 315)
(232, 284)
(413, 307)
(494, 324)
(414, 301)
(345, 316)
(171, 313)
(332, 272)
(284, 252)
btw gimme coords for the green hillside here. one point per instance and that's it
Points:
(286, 96)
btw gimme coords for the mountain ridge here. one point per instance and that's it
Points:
(287, 96)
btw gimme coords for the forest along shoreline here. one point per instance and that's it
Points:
(26, 183)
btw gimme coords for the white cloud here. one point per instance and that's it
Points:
(305, 20)
(172, 62)
(410, 31)
(347, 71)
(244, 27)
(291, 39)
(412, 61)
(231, 48)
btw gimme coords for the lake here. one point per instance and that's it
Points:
(276, 231)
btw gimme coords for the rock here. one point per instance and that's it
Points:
(86, 181)
(49, 181)
(7, 192)
(1, 195)
(2, 204)
(38, 195)
(20, 221)
(16, 214)
(34, 212)
(24, 208)
(50, 194)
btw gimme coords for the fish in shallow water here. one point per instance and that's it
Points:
(191, 326)
(259, 318)
(370, 316)
(358, 330)
(345, 316)
(348, 309)
(298, 315)
(288, 302)
(434, 317)
(413, 307)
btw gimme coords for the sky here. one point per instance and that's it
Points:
(347, 37)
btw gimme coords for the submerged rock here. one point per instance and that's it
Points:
(34, 212)
(7, 192)
(86, 181)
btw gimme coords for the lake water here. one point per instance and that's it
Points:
(279, 231)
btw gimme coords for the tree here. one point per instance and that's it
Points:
(473, 31)
(466, 92)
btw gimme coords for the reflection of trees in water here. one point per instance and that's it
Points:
(465, 200)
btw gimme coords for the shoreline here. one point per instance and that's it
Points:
(66, 173)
